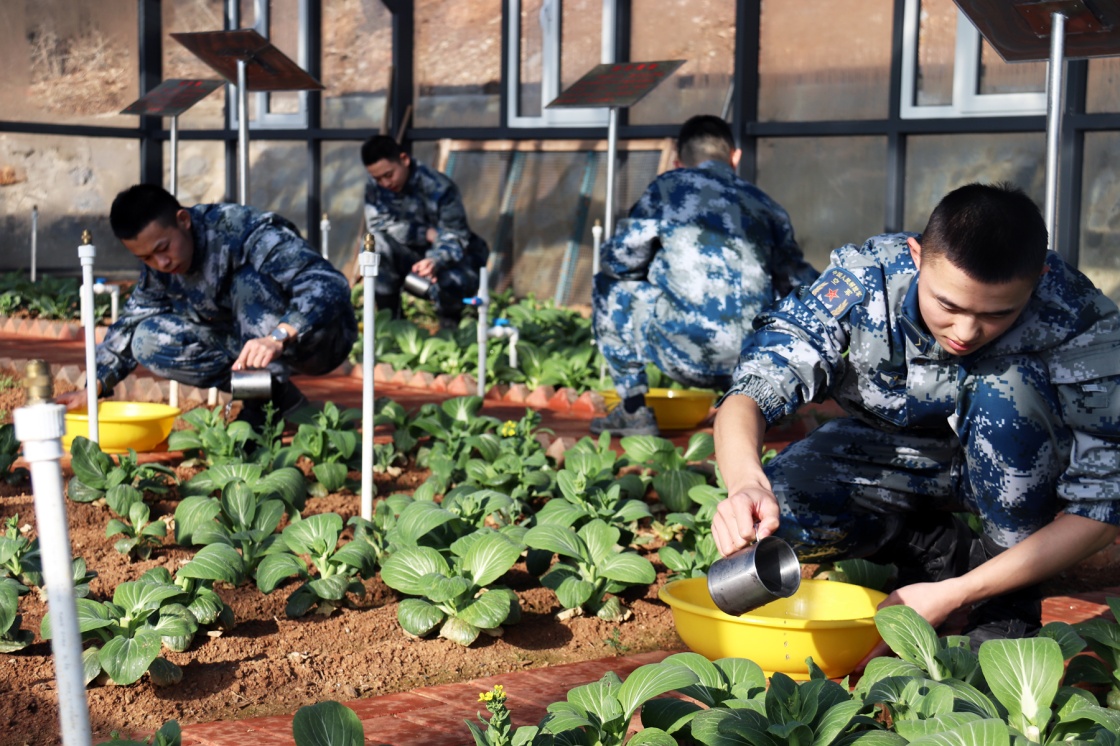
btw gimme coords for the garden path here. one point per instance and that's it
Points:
(434, 716)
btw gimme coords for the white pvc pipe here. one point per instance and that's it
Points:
(34, 239)
(86, 254)
(596, 244)
(1054, 119)
(368, 262)
(242, 134)
(511, 333)
(114, 291)
(483, 329)
(325, 240)
(40, 427)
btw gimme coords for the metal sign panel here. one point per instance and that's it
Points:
(172, 97)
(615, 85)
(1020, 29)
(266, 69)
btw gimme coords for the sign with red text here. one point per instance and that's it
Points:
(616, 84)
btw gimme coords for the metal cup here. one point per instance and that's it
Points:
(416, 285)
(754, 576)
(254, 383)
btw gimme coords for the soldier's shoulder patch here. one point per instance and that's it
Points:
(839, 290)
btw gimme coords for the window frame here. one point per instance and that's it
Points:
(550, 69)
(966, 77)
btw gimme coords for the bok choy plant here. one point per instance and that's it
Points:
(455, 592)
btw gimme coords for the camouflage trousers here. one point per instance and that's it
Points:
(452, 285)
(844, 488)
(623, 316)
(196, 352)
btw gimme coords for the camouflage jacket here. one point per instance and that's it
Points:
(429, 200)
(856, 336)
(717, 247)
(227, 238)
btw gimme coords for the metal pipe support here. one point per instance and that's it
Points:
(368, 262)
(87, 252)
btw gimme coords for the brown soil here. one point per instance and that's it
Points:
(269, 664)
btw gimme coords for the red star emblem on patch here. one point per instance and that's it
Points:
(832, 294)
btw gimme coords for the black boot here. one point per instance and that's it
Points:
(930, 546)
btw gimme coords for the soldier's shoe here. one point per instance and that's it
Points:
(1010, 616)
(931, 546)
(619, 422)
(286, 400)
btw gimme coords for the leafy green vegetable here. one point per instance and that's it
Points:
(456, 593)
(95, 472)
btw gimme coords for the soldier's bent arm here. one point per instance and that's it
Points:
(451, 224)
(114, 355)
(637, 239)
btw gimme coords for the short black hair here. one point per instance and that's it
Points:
(994, 233)
(705, 138)
(380, 148)
(140, 205)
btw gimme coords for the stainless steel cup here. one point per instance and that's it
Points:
(254, 383)
(754, 576)
(416, 285)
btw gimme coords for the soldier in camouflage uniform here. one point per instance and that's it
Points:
(701, 253)
(224, 287)
(418, 223)
(984, 383)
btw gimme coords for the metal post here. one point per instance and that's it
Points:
(86, 254)
(40, 425)
(242, 134)
(325, 236)
(483, 328)
(612, 159)
(368, 262)
(596, 243)
(34, 238)
(174, 156)
(1054, 119)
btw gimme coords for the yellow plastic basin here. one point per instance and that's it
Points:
(123, 424)
(675, 409)
(831, 621)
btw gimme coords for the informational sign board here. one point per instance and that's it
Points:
(266, 67)
(615, 85)
(172, 97)
(1020, 29)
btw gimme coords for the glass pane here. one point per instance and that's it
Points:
(187, 16)
(823, 61)
(457, 63)
(547, 216)
(73, 181)
(283, 32)
(1100, 219)
(834, 197)
(938, 164)
(997, 76)
(68, 61)
(344, 185)
(1103, 94)
(937, 43)
(357, 60)
(703, 34)
(278, 179)
(202, 173)
(581, 32)
(532, 60)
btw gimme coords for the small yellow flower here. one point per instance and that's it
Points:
(509, 429)
(485, 696)
(498, 693)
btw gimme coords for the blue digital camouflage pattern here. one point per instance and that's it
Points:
(1024, 427)
(399, 222)
(250, 271)
(701, 253)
